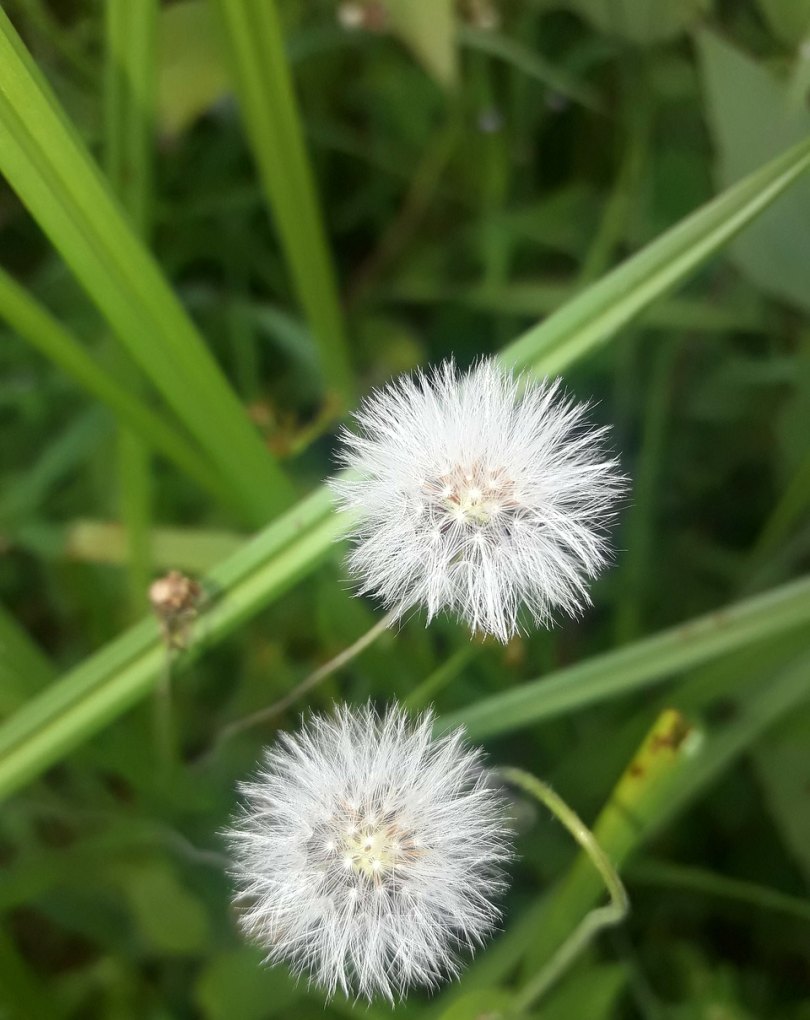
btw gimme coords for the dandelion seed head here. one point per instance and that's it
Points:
(368, 854)
(480, 493)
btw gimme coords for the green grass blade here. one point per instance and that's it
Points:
(661, 781)
(50, 170)
(36, 325)
(640, 664)
(270, 112)
(526, 60)
(106, 684)
(129, 107)
(592, 317)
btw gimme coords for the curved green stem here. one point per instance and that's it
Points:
(598, 918)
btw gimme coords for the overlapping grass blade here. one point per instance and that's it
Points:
(129, 128)
(122, 672)
(597, 313)
(49, 168)
(36, 325)
(639, 664)
(639, 807)
(270, 113)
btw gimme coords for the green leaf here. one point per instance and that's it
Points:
(639, 664)
(36, 325)
(675, 764)
(783, 764)
(428, 29)
(239, 984)
(789, 19)
(752, 116)
(595, 315)
(52, 173)
(592, 993)
(489, 1002)
(106, 684)
(170, 919)
(640, 21)
(188, 549)
(270, 112)
(192, 74)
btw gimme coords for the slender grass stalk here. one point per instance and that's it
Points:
(528, 62)
(114, 678)
(129, 107)
(639, 664)
(674, 766)
(639, 526)
(106, 684)
(316, 677)
(36, 325)
(595, 920)
(597, 313)
(49, 168)
(270, 112)
(666, 875)
(538, 299)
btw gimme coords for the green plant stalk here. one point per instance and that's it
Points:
(640, 664)
(527, 61)
(129, 107)
(639, 527)
(674, 766)
(273, 123)
(51, 171)
(667, 875)
(97, 685)
(587, 321)
(108, 683)
(595, 920)
(543, 298)
(43, 331)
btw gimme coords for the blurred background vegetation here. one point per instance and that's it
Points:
(476, 164)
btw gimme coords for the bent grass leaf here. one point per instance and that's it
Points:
(640, 664)
(36, 325)
(49, 168)
(595, 315)
(270, 112)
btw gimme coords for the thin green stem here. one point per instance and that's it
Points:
(322, 673)
(267, 100)
(640, 664)
(597, 919)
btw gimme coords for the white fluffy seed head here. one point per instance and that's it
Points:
(369, 853)
(478, 492)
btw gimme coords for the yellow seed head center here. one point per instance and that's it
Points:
(473, 495)
(371, 850)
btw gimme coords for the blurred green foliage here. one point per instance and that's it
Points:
(477, 165)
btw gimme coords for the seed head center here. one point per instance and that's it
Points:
(472, 495)
(372, 850)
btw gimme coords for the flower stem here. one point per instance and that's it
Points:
(593, 922)
(318, 676)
